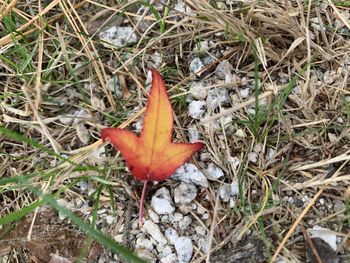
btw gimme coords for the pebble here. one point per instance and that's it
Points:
(185, 193)
(214, 172)
(216, 97)
(226, 191)
(326, 234)
(109, 219)
(184, 249)
(118, 36)
(198, 90)
(196, 65)
(153, 229)
(82, 133)
(193, 134)
(156, 59)
(171, 235)
(161, 202)
(241, 133)
(113, 85)
(143, 242)
(244, 92)
(177, 217)
(196, 109)
(223, 69)
(189, 173)
(203, 244)
(200, 230)
(145, 254)
(154, 216)
(253, 157)
(185, 222)
(169, 258)
(97, 103)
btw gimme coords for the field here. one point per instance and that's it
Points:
(265, 85)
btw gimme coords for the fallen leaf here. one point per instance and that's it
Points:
(152, 156)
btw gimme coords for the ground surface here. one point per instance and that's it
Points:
(264, 84)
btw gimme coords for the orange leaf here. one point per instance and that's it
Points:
(152, 155)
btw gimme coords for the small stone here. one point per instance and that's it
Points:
(198, 90)
(244, 92)
(145, 254)
(196, 65)
(225, 192)
(177, 217)
(185, 222)
(205, 216)
(117, 36)
(160, 248)
(201, 210)
(330, 76)
(169, 258)
(83, 133)
(171, 235)
(193, 134)
(299, 203)
(196, 109)
(291, 200)
(189, 173)
(63, 203)
(156, 59)
(162, 202)
(109, 219)
(119, 238)
(113, 85)
(166, 251)
(216, 97)
(234, 161)
(97, 103)
(154, 216)
(185, 193)
(165, 218)
(322, 202)
(153, 229)
(234, 188)
(270, 153)
(143, 242)
(241, 133)
(332, 137)
(339, 206)
(214, 172)
(184, 249)
(203, 244)
(200, 230)
(253, 157)
(223, 69)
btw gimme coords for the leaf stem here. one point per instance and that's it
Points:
(142, 200)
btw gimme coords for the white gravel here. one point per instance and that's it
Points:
(184, 193)
(196, 109)
(214, 172)
(153, 230)
(184, 249)
(189, 173)
(161, 202)
(118, 36)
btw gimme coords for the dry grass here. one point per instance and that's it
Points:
(52, 64)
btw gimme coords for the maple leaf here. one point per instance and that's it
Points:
(152, 156)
